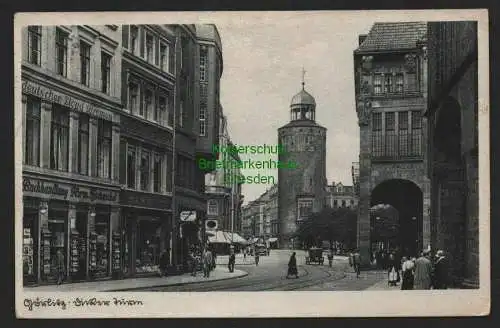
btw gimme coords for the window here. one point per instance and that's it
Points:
(83, 144)
(134, 39)
(388, 83)
(390, 134)
(105, 72)
(59, 142)
(203, 64)
(304, 209)
(147, 108)
(157, 175)
(32, 137)
(145, 169)
(35, 44)
(203, 113)
(133, 97)
(131, 166)
(104, 139)
(212, 207)
(181, 114)
(203, 92)
(377, 84)
(149, 51)
(416, 133)
(399, 83)
(84, 63)
(164, 53)
(61, 52)
(377, 142)
(161, 109)
(403, 134)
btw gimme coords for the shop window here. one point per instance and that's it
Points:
(30, 243)
(157, 174)
(148, 246)
(83, 144)
(32, 138)
(84, 63)
(131, 166)
(145, 170)
(62, 52)
(59, 150)
(102, 244)
(104, 148)
(57, 226)
(105, 72)
(78, 251)
(34, 44)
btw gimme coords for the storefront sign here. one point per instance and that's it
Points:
(65, 100)
(68, 192)
(132, 198)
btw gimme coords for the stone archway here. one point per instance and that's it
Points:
(448, 186)
(406, 198)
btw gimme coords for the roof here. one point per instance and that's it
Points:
(303, 98)
(394, 36)
(302, 123)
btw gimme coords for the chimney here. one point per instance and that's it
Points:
(361, 38)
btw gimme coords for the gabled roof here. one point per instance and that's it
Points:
(394, 36)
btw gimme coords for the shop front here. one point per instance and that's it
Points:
(146, 231)
(70, 223)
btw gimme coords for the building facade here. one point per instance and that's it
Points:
(223, 190)
(391, 97)
(453, 146)
(339, 195)
(71, 138)
(301, 189)
(260, 218)
(104, 108)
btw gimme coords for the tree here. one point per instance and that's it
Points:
(339, 224)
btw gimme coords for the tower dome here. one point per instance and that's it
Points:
(303, 105)
(303, 98)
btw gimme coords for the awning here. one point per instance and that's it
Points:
(273, 240)
(235, 238)
(219, 238)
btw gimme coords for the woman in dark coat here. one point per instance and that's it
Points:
(292, 267)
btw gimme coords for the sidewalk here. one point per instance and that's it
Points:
(139, 283)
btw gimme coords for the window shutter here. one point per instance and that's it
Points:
(123, 162)
(142, 36)
(125, 34)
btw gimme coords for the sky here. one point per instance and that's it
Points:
(263, 71)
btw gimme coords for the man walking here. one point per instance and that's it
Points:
(207, 263)
(423, 271)
(232, 260)
(356, 262)
(441, 271)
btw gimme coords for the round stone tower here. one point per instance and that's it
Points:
(301, 190)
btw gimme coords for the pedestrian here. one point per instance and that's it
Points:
(441, 277)
(256, 258)
(60, 267)
(292, 267)
(356, 262)
(194, 263)
(393, 270)
(407, 271)
(231, 262)
(244, 254)
(164, 261)
(330, 257)
(207, 263)
(423, 271)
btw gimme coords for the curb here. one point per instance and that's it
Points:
(243, 274)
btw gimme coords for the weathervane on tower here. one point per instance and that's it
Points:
(303, 77)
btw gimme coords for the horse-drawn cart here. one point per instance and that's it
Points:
(315, 256)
